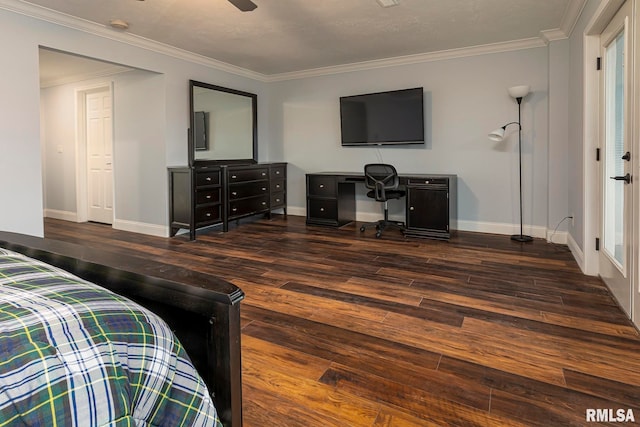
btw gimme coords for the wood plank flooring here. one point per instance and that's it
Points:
(343, 329)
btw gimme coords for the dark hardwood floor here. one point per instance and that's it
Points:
(343, 329)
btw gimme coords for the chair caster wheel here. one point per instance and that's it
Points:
(378, 234)
(362, 229)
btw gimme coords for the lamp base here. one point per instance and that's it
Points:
(522, 238)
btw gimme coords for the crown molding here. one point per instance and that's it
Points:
(567, 24)
(72, 22)
(570, 17)
(529, 43)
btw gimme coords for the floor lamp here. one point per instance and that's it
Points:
(516, 92)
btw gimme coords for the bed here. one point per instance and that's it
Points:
(72, 284)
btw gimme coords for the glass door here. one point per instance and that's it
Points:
(615, 200)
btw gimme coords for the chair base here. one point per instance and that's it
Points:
(383, 224)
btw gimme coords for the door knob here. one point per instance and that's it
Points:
(626, 178)
(627, 156)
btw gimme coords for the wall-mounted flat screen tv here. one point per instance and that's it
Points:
(394, 117)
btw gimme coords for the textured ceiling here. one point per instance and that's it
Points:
(285, 36)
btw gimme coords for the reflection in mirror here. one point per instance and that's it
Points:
(223, 123)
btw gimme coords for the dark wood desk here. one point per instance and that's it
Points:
(431, 202)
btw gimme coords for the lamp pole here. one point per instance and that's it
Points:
(520, 237)
(516, 92)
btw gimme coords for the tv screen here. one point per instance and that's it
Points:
(394, 117)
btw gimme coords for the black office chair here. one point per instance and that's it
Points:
(383, 181)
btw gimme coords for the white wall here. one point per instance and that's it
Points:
(20, 170)
(140, 172)
(161, 142)
(465, 99)
(558, 139)
(298, 122)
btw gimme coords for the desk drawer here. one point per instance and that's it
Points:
(253, 174)
(432, 182)
(324, 186)
(248, 189)
(323, 209)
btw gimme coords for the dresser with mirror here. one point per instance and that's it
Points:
(223, 181)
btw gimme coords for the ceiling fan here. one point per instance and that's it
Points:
(244, 5)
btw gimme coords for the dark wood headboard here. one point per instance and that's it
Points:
(203, 311)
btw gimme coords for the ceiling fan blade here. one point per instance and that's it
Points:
(244, 5)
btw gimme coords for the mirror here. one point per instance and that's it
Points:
(223, 124)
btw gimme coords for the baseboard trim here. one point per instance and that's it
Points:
(501, 228)
(577, 253)
(141, 227)
(559, 237)
(63, 215)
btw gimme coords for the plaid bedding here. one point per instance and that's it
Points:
(75, 354)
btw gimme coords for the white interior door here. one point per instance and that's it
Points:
(99, 157)
(616, 204)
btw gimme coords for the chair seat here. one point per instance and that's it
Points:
(390, 194)
(383, 182)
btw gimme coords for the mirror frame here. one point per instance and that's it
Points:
(254, 116)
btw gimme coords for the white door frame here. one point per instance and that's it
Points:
(591, 102)
(82, 201)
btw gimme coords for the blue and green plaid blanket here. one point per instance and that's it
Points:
(75, 354)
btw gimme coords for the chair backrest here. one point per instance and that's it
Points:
(381, 177)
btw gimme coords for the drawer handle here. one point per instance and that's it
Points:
(321, 209)
(233, 193)
(233, 176)
(411, 208)
(277, 172)
(208, 178)
(427, 182)
(208, 196)
(264, 189)
(264, 173)
(278, 200)
(208, 214)
(264, 203)
(277, 185)
(234, 209)
(321, 185)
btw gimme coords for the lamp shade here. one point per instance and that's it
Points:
(497, 135)
(519, 91)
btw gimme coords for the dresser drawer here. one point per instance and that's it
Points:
(207, 178)
(278, 172)
(248, 189)
(248, 206)
(253, 174)
(207, 214)
(277, 185)
(207, 196)
(277, 199)
(325, 209)
(319, 185)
